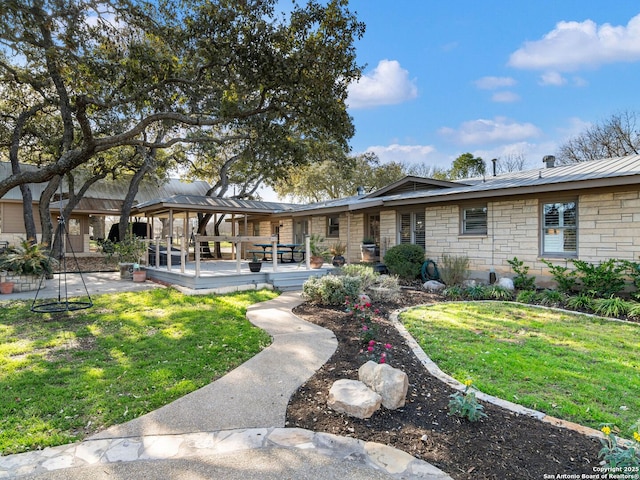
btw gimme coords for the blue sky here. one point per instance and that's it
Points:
(494, 78)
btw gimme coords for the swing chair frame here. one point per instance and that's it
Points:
(61, 305)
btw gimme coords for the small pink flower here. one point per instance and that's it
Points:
(364, 328)
(387, 346)
(370, 349)
(376, 311)
(383, 359)
(368, 305)
(372, 343)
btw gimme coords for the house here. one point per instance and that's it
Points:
(588, 211)
(89, 219)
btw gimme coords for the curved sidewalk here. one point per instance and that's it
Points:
(231, 428)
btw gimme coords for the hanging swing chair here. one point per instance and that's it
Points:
(62, 303)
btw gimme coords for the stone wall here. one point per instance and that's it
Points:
(22, 283)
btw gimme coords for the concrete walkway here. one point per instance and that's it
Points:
(232, 428)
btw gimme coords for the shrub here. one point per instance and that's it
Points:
(499, 293)
(580, 302)
(28, 258)
(477, 292)
(367, 275)
(565, 278)
(465, 405)
(522, 281)
(331, 289)
(611, 307)
(454, 292)
(602, 280)
(527, 296)
(405, 260)
(550, 298)
(454, 270)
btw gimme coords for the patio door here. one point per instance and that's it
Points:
(300, 230)
(411, 228)
(75, 243)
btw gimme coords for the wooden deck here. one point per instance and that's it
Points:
(221, 276)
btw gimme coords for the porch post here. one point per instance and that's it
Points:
(238, 259)
(196, 252)
(307, 248)
(274, 253)
(182, 254)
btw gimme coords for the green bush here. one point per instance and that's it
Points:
(454, 270)
(550, 298)
(367, 275)
(580, 302)
(602, 280)
(565, 278)
(331, 289)
(611, 307)
(522, 281)
(527, 296)
(405, 260)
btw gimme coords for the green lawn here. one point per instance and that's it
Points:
(63, 376)
(574, 367)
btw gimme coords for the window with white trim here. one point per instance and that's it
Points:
(559, 228)
(474, 220)
(411, 228)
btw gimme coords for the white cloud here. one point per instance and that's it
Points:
(388, 84)
(402, 153)
(552, 78)
(491, 83)
(574, 45)
(483, 131)
(505, 97)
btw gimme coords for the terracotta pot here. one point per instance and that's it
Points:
(139, 275)
(6, 287)
(316, 262)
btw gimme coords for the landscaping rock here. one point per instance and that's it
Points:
(390, 383)
(353, 398)
(506, 283)
(433, 286)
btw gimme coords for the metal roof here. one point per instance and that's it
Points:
(203, 203)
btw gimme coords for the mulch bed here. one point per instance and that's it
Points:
(502, 446)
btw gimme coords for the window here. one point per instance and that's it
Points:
(333, 226)
(474, 220)
(559, 229)
(411, 228)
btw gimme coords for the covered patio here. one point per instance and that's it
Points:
(178, 259)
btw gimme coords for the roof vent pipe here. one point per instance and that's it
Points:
(495, 162)
(550, 160)
(360, 191)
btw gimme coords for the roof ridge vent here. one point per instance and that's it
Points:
(550, 160)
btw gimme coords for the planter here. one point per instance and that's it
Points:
(369, 252)
(126, 270)
(139, 275)
(316, 262)
(338, 261)
(6, 287)
(255, 266)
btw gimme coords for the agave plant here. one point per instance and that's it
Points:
(27, 258)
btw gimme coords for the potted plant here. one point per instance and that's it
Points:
(255, 265)
(337, 250)
(5, 286)
(25, 263)
(127, 251)
(138, 274)
(368, 249)
(316, 259)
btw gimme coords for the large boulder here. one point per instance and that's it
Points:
(390, 383)
(353, 398)
(433, 286)
(506, 283)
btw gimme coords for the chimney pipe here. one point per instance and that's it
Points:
(550, 160)
(495, 162)
(360, 191)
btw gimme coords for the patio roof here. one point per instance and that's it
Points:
(205, 204)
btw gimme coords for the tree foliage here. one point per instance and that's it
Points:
(81, 79)
(616, 136)
(466, 166)
(337, 176)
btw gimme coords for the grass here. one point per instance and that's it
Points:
(574, 367)
(66, 376)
